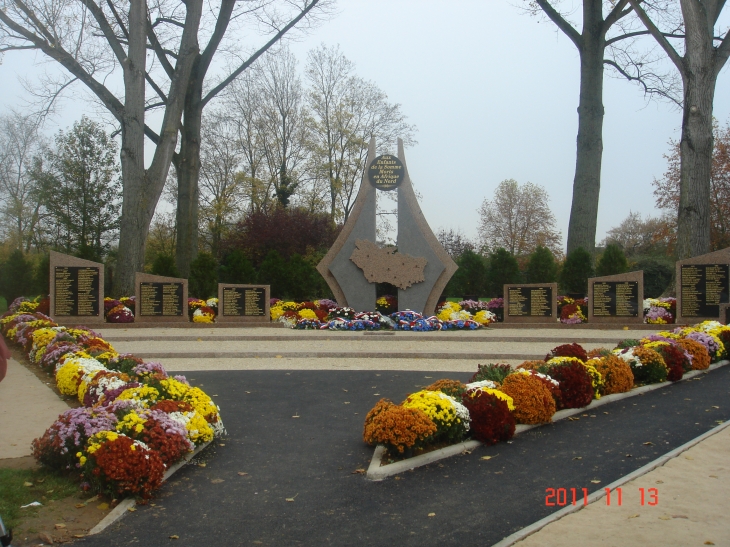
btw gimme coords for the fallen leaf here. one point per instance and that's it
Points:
(103, 506)
(680, 517)
(358, 472)
(39, 481)
(79, 536)
(465, 451)
(634, 516)
(486, 458)
(32, 504)
(578, 458)
(49, 491)
(45, 538)
(713, 476)
(573, 419)
(347, 402)
(296, 416)
(174, 537)
(376, 393)
(626, 328)
(59, 526)
(221, 444)
(688, 458)
(648, 443)
(659, 482)
(428, 376)
(248, 392)
(397, 478)
(719, 421)
(216, 481)
(595, 481)
(605, 412)
(628, 455)
(80, 505)
(432, 514)
(712, 407)
(27, 484)
(242, 473)
(278, 356)
(201, 465)
(132, 509)
(709, 543)
(665, 517)
(344, 390)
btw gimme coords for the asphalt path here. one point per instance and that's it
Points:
(297, 435)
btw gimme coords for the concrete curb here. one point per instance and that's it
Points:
(378, 472)
(122, 509)
(536, 526)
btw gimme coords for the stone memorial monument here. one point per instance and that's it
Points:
(531, 303)
(160, 299)
(419, 265)
(77, 290)
(243, 303)
(616, 298)
(703, 284)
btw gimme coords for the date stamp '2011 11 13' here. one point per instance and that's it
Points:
(565, 496)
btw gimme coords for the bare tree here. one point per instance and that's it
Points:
(21, 209)
(347, 111)
(518, 219)
(284, 125)
(90, 41)
(221, 180)
(454, 241)
(699, 67)
(643, 236)
(606, 28)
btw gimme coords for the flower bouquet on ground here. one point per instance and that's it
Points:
(660, 311)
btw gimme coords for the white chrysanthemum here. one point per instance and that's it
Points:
(461, 411)
(484, 383)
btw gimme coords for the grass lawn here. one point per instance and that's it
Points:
(23, 486)
(3, 305)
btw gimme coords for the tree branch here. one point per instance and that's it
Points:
(119, 20)
(159, 51)
(221, 24)
(166, 20)
(561, 23)
(106, 29)
(57, 53)
(721, 53)
(659, 37)
(640, 79)
(217, 89)
(614, 15)
(154, 86)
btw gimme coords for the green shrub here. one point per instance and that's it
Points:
(503, 269)
(236, 268)
(273, 272)
(42, 275)
(16, 277)
(657, 276)
(542, 267)
(577, 269)
(164, 264)
(203, 281)
(612, 261)
(470, 278)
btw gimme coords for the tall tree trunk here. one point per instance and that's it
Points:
(587, 181)
(699, 79)
(187, 167)
(135, 209)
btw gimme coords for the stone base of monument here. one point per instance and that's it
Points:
(584, 326)
(187, 325)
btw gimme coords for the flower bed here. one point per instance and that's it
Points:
(499, 397)
(135, 420)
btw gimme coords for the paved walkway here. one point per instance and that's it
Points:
(294, 431)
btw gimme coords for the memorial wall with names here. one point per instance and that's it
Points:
(531, 302)
(243, 303)
(76, 289)
(704, 287)
(160, 299)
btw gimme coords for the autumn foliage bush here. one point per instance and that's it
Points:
(616, 373)
(534, 404)
(491, 419)
(396, 427)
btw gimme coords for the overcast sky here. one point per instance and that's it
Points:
(493, 93)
